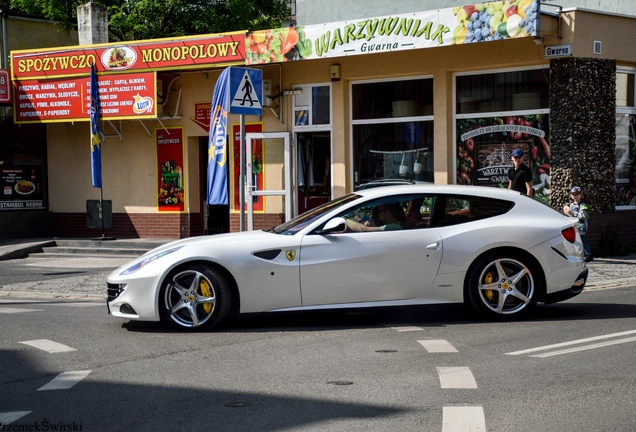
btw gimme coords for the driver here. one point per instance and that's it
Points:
(385, 217)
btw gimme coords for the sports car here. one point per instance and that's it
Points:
(495, 250)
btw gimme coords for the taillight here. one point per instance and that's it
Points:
(569, 234)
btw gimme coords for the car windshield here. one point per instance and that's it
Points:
(296, 224)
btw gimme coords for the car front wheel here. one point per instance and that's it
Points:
(196, 298)
(501, 287)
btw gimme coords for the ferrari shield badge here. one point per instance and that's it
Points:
(290, 254)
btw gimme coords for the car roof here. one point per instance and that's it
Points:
(388, 182)
(427, 188)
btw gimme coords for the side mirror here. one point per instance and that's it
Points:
(335, 225)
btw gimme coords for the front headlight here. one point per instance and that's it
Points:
(140, 264)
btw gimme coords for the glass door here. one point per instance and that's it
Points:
(271, 160)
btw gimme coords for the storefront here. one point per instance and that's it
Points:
(393, 97)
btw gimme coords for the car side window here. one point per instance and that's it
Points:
(454, 210)
(402, 212)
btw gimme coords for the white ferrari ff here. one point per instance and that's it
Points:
(496, 250)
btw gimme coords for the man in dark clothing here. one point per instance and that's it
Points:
(520, 175)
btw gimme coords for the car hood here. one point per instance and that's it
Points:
(214, 240)
(205, 244)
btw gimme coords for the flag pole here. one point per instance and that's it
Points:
(96, 144)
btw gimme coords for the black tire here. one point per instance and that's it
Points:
(195, 298)
(502, 286)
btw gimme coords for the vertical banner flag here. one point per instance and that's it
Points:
(96, 142)
(217, 142)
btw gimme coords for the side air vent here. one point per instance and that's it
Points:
(268, 254)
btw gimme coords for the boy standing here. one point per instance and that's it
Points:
(579, 210)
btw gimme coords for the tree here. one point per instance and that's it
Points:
(153, 19)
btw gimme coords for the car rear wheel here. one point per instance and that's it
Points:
(501, 286)
(196, 298)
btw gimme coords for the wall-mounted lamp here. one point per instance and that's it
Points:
(538, 41)
(335, 72)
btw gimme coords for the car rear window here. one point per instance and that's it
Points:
(453, 210)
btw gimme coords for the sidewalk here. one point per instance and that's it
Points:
(21, 248)
(611, 272)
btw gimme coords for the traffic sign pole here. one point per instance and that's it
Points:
(242, 171)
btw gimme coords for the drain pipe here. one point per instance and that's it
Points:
(5, 58)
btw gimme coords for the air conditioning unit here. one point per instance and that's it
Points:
(267, 93)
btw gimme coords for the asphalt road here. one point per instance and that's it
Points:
(412, 369)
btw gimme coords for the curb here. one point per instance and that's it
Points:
(49, 295)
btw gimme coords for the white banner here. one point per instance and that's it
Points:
(481, 22)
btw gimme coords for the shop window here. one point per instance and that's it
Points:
(504, 91)
(313, 106)
(625, 144)
(392, 125)
(625, 151)
(497, 113)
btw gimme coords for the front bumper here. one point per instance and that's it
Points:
(576, 289)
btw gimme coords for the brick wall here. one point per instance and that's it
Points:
(135, 225)
(624, 222)
(261, 221)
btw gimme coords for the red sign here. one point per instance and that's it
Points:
(5, 87)
(121, 97)
(202, 115)
(192, 52)
(170, 173)
(257, 166)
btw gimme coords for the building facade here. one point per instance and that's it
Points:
(445, 112)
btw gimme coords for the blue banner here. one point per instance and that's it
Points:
(96, 142)
(217, 142)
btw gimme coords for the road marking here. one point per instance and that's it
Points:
(438, 346)
(11, 310)
(574, 342)
(78, 304)
(464, 419)
(65, 380)
(586, 347)
(9, 417)
(456, 378)
(48, 346)
(407, 328)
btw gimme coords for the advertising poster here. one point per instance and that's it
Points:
(22, 188)
(170, 174)
(257, 166)
(484, 146)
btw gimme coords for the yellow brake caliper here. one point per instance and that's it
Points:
(207, 292)
(490, 294)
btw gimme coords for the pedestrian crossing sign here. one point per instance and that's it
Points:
(246, 91)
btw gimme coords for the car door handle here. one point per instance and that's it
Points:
(433, 246)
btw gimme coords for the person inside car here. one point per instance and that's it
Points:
(386, 217)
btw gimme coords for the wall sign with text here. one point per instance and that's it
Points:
(130, 96)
